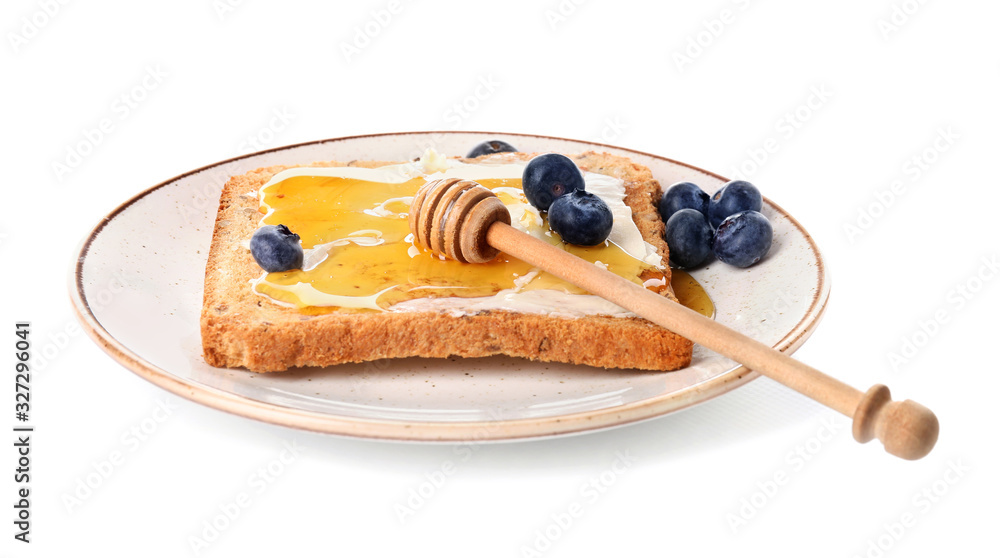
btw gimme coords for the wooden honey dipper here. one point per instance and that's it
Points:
(465, 221)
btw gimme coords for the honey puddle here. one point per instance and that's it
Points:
(690, 293)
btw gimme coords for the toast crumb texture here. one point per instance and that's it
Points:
(242, 329)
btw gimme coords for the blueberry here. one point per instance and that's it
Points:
(581, 218)
(733, 197)
(275, 248)
(689, 238)
(548, 177)
(683, 195)
(743, 239)
(488, 147)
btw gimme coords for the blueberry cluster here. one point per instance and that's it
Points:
(553, 183)
(728, 224)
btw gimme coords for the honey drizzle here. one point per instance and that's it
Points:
(372, 253)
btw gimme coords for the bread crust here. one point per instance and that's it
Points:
(242, 329)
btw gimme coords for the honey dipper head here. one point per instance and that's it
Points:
(451, 216)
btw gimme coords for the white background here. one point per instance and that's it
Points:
(602, 70)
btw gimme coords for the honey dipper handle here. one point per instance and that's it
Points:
(907, 429)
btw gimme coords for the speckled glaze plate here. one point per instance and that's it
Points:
(137, 288)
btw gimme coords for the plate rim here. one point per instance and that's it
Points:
(400, 430)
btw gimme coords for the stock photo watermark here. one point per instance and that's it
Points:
(462, 109)
(419, 495)
(432, 482)
(205, 200)
(56, 343)
(459, 112)
(796, 459)
(228, 512)
(31, 25)
(561, 12)
(899, 15)
(955, 300)
(785, 128)
(263, 137)
(782, 302)
(922, 503)
(92, 137)
(129, 442)
(62, 338)
(223, 8)
(612, 129)
(368, 31)
(913, 169)
(700, 41)
(589, 493)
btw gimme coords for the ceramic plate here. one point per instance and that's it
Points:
(137, 288)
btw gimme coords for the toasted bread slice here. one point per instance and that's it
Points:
(242, 329)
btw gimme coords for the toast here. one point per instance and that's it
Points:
(240, 328)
